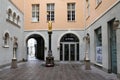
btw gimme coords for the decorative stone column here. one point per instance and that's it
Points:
(14, 60)
(87, 60)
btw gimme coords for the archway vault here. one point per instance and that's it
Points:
(39, 47)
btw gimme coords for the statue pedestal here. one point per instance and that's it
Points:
(14, 63)
(49, 61)
(87, 65)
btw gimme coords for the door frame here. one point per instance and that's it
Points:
(63, 54)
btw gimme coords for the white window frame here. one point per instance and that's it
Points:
(35, 13)
(50, 12)
(98, 46)
(69, 11)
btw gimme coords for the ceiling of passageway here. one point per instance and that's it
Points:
(35, 36)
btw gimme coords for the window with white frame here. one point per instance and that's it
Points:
(35, 12)
(98, 41)
(87, 8)
(50, 12)
(71, 11)
(98, 2)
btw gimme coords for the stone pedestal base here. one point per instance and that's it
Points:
(49, 61)
(87, 65)
(14, 63)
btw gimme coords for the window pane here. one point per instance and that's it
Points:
(35, 12)
(33, 7)
(50, 10)
(52, 6)
(73, 18)
(37, 7)
(48, 7)
(68, 6)
(73, 6)
(71, 11)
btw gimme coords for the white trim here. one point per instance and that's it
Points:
(55, 30)
(69, 55)
(58, 42)
(31, 33)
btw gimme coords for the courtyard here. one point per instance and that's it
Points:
(36, 70)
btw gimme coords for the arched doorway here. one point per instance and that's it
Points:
(69, 48)
(31, 44)
(38, 46)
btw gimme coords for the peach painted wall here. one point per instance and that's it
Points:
(96, 11)
(19, 4)
(60, 22)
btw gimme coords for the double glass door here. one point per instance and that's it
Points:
(69, 52)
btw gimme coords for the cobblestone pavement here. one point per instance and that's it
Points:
(36, 70)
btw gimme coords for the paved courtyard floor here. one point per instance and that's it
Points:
(36, 70)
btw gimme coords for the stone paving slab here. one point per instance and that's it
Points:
(36, 70)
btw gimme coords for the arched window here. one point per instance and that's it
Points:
(14, 16)
(9, 13)
(6, 39)
(18, 19)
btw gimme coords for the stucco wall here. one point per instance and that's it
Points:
(103, 22)
(56, 36)
(97, 10)
(60, 15)
(6, 54)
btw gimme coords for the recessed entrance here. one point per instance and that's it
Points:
(112, 47)
(37, 48)
(69, 48)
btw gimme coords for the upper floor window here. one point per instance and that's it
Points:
(35, 12)
(50, 12)
(71, 11)
(87, 8)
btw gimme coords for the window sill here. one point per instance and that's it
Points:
(51, 21)
(35, 22)
(97, 64)
(71, 21)
(6, 46)
(8, 20)
(97, 5)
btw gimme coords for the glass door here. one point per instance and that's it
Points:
(66, 52)
(69, 52)
(113, 51)
(113, 47)
(72, 52)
